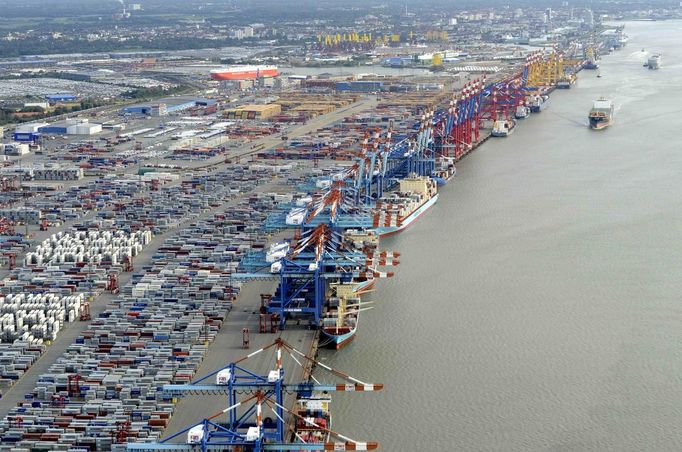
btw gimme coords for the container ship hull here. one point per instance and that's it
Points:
(340, 322)
(601, 115)
(654, 62)
(566, 84)
(385, 231)
(503, 128)
(338, 338)
(522, 112)
(446, 173)
(600, 125)
(244, 73)
(539, 105)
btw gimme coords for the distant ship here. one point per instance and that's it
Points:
(522, 112)
(654, 62)
(538, 103)
(601, 114)
(244, 72)
(566, 82)
(503, 127)
(591, 64)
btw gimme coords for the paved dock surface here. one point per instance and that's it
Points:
(227, 348)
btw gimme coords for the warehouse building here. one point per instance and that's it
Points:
(359, 86)
(253, 111)
(166, 106)
(63, 97)
(14, 148)
(25, 137)
(30, 127)
(71, 127)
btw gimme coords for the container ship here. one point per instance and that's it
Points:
(522, 112)
(244, 72)
(566, 82)
(601, 114)
(396, 211)
(591, 65)
(445, 171)
(342, 312)
(503, 127)
(538, 103)
(314, 417)
(654, 62)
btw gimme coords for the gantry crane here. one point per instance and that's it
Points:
(242, 426)
(305, 269)
(458, 126)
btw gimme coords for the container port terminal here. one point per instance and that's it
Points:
(170, 267)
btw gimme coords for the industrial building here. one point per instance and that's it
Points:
(359, 86)
(166, 106)
(25, 136)
(75, 126)
(30, 127)
(62, 97)
(253, 111)
(14, 148)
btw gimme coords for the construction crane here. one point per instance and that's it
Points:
(381, 162)
(245, 427)
(503, 98)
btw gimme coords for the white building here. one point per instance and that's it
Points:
(30, 128)
(84, 128)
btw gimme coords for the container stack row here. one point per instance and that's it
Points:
(169, 207)
(66, 269)
(156, 332)
(94, 246)
(36, 318)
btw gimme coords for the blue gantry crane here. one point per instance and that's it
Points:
(245, 428)
(317, 259)
(306, 267)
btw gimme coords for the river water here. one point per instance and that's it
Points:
(538, 305)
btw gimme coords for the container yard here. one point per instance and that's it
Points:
(143, 266)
